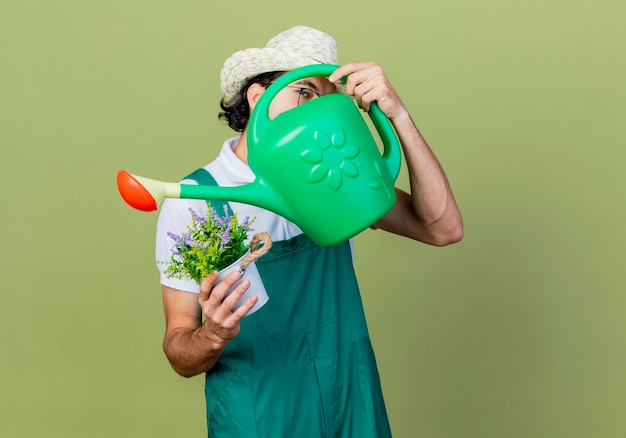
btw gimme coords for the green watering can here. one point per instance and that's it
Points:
(316, 165)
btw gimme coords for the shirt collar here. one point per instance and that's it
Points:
(240, 172)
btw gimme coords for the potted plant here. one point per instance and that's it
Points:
(218, 243)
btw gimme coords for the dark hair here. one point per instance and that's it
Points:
(236, 112)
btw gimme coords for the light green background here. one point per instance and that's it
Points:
(518, 331)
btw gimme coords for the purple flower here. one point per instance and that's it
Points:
(225, 236)
(174, 237)
(186, 239)
(199, 219)
(221, 221)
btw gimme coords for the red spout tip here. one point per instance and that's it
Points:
(134, 193)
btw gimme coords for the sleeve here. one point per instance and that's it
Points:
(174, 217)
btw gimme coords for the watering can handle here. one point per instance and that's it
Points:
(259, 119)
(391, 151)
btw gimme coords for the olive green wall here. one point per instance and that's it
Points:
(516, 332)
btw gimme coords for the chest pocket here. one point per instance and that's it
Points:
(307, 285)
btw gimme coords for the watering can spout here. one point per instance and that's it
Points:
(146, 194)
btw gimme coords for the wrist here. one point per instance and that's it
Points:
(212, 341)
(401, 117)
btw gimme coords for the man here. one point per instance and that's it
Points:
(302, 365)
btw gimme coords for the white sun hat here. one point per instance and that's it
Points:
(293, 48)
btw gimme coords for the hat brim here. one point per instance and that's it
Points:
(246, 64)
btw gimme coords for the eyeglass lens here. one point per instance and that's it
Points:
(305, 94)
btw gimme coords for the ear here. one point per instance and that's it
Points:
(255, 91)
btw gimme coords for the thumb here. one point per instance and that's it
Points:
(207, 286)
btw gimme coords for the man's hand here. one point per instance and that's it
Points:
(191, 346)
(368, 83)
(429, 213)
(222, 322)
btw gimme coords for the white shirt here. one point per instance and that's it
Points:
(227, 170)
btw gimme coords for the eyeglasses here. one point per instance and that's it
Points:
(305, 94)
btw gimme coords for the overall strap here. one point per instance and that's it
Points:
(203, 177)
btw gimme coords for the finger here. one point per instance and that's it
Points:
(342, 71)
(207, 285)
(364, 81)
(227, 307)
(231, 300)
(368, 70)
(364, 105)
(245, 308)
(347, 70)
(219, 291)
(364, 95)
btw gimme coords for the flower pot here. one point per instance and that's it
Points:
(251, 273)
